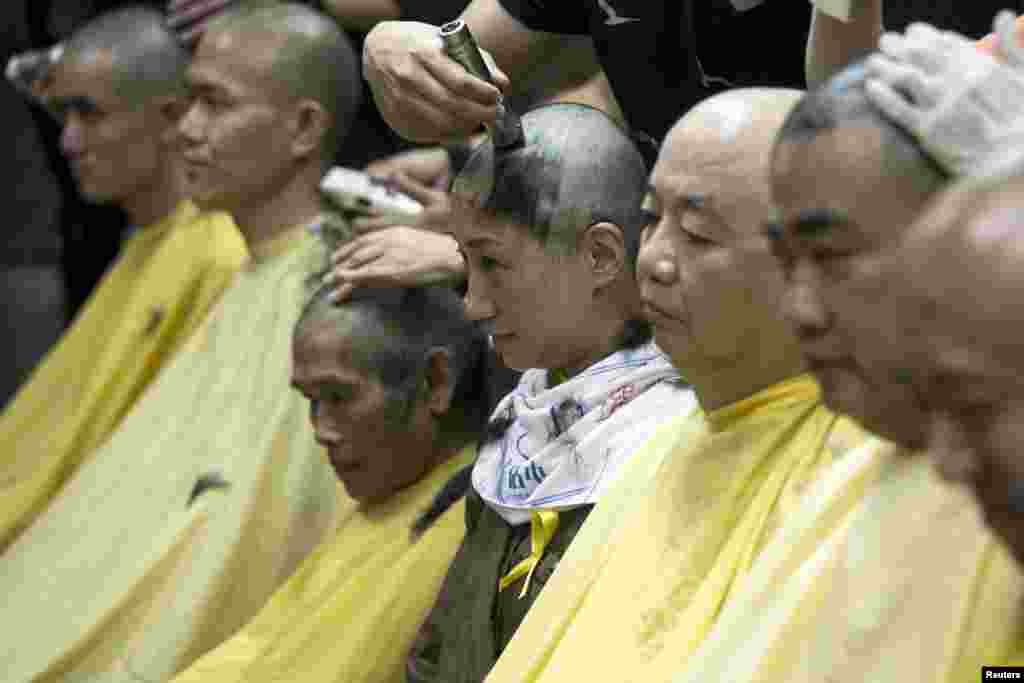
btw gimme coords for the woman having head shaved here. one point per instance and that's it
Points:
(550, 232)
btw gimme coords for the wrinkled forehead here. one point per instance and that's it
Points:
(333, 339)
(839, 167)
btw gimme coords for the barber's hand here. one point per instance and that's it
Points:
(428, 165)
(1009, 31)
(964, 106)
(394, 257)
(422, 93)
(383, 254)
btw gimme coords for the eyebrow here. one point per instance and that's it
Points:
(205, 83)
(322, 380)
(816, 223)
(481, 241)
(693, 201)
(82, 103)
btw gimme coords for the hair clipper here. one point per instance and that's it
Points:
(460, 45)
(355, 192)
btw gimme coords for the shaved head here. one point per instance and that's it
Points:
(310, 57)
(732, 133)
(705, 270)
(144, 57)
(577, 168)
(961, 268)
(953, 312)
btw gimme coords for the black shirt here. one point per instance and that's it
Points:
(663, 56)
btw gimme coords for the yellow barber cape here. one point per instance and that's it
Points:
(200, 505)
(162, 285)
(682, 546)
(349, 614)
(909, 585)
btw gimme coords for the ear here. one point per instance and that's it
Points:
(309, 125)
(604, 249)
(439, 381)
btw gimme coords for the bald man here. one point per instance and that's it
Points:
(907, 583)
(954, 300)
(214, 488)
(648, 573)
(119, 92)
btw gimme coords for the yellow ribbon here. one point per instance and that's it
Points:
(543, 525)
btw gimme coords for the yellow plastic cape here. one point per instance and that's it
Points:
(165, 281)
(680, 545)
(909, 585)
(349, 614)
(178, 530)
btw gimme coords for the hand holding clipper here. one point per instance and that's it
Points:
(460, 45)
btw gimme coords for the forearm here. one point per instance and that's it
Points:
(833, 44)
(572, 74)
(361, 15)
(516, 49)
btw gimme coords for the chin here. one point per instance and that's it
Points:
(516, 359)
(210, 202)
(95, 195)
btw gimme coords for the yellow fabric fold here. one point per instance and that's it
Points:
(144, 561)
(543, 525)
(350, 612)
(909, 585)
(162, 285)
(675, 550)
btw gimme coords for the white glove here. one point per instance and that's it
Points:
(963, 105)
(1008, 47)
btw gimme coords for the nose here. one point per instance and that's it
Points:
(802, 305)
(478, 304)
(948, 446)
(325, 428)
(72, 137)
(657, 258)
(191, 126)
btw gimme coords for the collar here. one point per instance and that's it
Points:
(800, 389)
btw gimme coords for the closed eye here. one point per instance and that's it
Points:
(698, 240)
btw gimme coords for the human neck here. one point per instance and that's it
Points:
(619, 305)
(607, 343)
(263, 219)
(721, 384)
(157, 200)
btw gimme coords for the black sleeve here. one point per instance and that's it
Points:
(435, 12)
(553, 16)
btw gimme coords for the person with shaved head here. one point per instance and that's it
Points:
(213, 488)
(550, 232)
(649, 571)
(119, 92)
(886, 573)
(956, 282)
